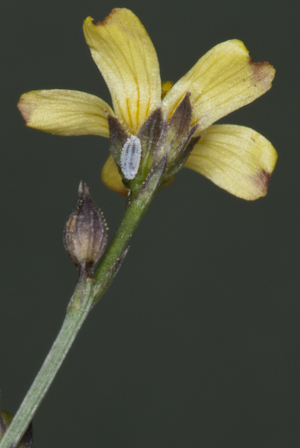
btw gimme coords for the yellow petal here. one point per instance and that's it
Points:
(235, 158)
(111, 177)
(65, 112)
(125, 56)
(166, 87)
(223, 80)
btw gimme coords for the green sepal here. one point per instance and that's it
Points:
(178, 129)
(154, 179)
(183, 155)
(175, 132)
(149, 136)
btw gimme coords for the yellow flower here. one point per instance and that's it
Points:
(236, 158)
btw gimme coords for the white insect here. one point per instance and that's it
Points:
(131, 157)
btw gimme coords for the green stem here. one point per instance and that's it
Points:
(58, 352)
(131, 219)
(87, 293)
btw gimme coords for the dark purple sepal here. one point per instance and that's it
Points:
(118, 138)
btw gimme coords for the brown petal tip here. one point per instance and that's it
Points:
(261, 181)
(262, 74)
(108, 18)
(26, 108)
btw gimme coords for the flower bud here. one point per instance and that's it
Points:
(85, 235)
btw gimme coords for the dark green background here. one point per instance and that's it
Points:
(196, 343)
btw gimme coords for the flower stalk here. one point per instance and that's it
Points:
(87, 293)
(71, 325)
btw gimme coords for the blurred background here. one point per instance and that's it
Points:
(196, 343)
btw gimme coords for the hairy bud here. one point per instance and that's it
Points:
(85, 235)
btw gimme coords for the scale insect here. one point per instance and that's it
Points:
(131, 157)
